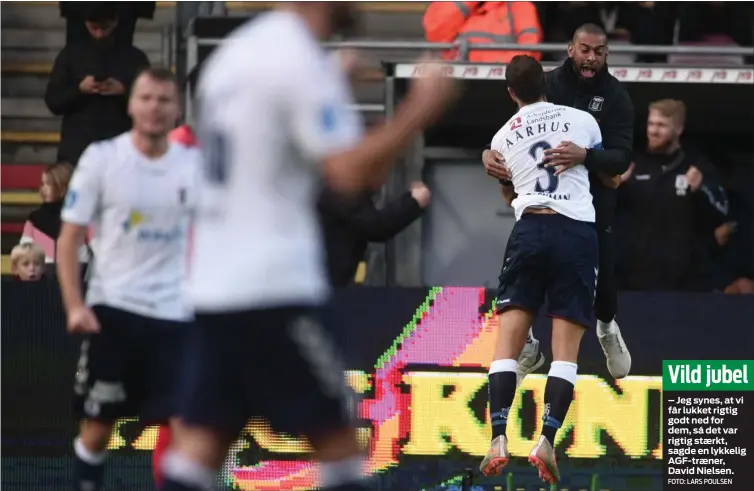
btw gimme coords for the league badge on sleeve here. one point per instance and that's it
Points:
(70, 199)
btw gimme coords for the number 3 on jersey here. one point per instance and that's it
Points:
(552, 179)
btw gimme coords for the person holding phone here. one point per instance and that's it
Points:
(89, 84)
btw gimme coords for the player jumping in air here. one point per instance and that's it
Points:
(274, 114)
(584, 82)
(551, 253)
(137, 190)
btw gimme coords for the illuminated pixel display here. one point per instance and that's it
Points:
(426, 398)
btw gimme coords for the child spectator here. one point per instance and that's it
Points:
(27, 262)
(43, 226)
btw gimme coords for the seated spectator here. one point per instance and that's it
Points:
(484, 23)
(89, 85)
(128, 13)
(43, 225)
(27, 262)
(669, 205)
(350, 223)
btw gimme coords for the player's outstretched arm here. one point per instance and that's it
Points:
(367, 165)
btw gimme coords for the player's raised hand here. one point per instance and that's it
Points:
(694, 178)
(432, 91)
(81, 320)
(494, 165)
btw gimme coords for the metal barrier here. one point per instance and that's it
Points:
(464, 47)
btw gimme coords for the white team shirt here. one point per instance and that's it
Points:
(523, 140)
(271, 106)
(140, 210)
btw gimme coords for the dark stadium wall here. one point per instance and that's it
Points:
(418, 359)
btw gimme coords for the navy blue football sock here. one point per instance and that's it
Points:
(88, 468)
(558, 397)
(502, 391)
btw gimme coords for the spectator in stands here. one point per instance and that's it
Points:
(89, 85)
(624, 22)
(350, 223)
(128, 13)
(43, 225)
(27, 262)
(669, 205)
(484, 23)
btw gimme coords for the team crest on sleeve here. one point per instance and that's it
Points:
(596, 103)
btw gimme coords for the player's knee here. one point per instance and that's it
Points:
(566, 339)
(95, 434)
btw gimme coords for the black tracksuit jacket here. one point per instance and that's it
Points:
(605, 98)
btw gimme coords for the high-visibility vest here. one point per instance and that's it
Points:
(484, 23)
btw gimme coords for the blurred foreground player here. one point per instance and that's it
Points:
(552, 252)
(274, 114)
(584, 82)
(137, 191)
(184, 135)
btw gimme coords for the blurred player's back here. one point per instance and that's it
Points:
(261, 136)
(523, 140)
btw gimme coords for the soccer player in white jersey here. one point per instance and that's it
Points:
(274, 116)
(551, 253)
(137, 192)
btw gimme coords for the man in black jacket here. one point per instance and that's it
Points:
(350, 223)
(670, 204)
(89, 85)
(583, 82)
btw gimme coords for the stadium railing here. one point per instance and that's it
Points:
(464, 47)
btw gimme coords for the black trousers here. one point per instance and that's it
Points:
(606, 299)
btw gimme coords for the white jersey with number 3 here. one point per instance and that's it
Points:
(522, 142)
(272, 105)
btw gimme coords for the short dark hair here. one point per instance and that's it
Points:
(526, 78)
(160, 74)
(101, 12)
(589, 28)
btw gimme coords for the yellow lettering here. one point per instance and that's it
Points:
(435, 416)
(600, 408)
(148, 438)
(116, 439)
(262, 432)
